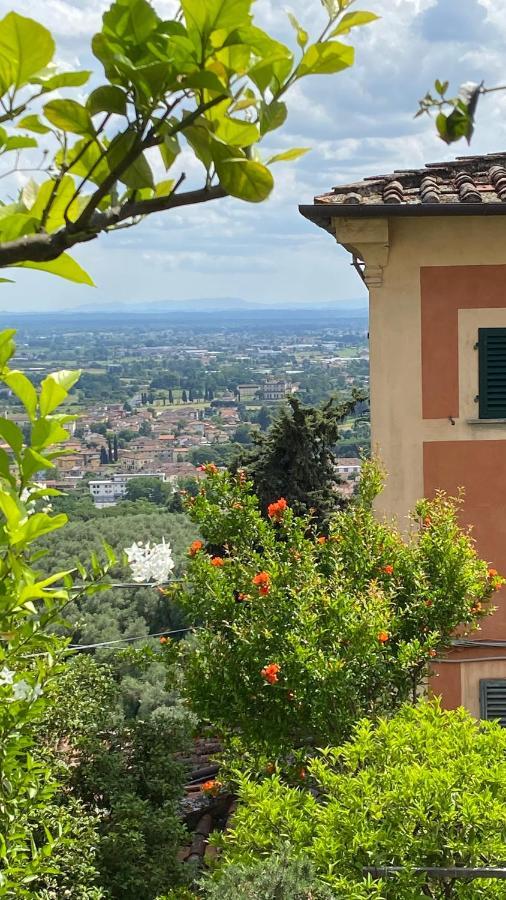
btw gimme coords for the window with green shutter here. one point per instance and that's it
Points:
(492, 373)
(493, 700)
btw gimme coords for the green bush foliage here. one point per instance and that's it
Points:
(425, 788)
(299, 634)
(121, 785)
(276, 878)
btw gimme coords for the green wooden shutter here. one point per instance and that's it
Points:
(493, 700)
(492, 372)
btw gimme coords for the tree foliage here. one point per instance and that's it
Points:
(120, 776)
(425, 788)
(301, 634)
(208, 77)
(296, 458)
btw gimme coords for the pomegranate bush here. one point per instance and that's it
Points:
(297, 634)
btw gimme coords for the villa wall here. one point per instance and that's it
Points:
(443, 278)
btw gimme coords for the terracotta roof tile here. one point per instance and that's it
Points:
(467, 179)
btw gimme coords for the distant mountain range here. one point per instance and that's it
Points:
(220, 304)
(200, 305)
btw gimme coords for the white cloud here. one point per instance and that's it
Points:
(358, 123)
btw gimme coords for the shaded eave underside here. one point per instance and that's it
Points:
(322, 213)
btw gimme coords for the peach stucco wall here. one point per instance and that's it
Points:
(432, 283)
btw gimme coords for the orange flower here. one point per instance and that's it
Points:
(211, 787)
(432, 652)
(493, 573)
(263, 582)
(270, 673)
(427, 521)
(241, 597)
(217, 561)
(275, 510)
(194, 548)
(322, 539)
(302, 774)
(388, 569)
(383, 637)
(163, 640)
(241, 476)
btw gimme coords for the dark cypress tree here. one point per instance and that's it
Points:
(110, 453)
(103, 456)
(295, 459)
(191, 395)
(115, 448)
(184, 397)
(171, 396)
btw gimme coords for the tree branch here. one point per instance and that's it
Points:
(45, 247)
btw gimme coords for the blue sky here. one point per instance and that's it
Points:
(358, 123)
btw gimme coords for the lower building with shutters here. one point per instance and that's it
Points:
(430, 245)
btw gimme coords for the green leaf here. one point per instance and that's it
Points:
(353, 20)
(61, 195)
(138, 174)
(26, 47)
(29, 193)
(11, 434)
(236, 132)
(325, 58)
(68, 115)
(169, 150)
(7, 281)
(61, 79)
(7, 345)
(24, 390)
(90, 160)
(213, 15)
(5, 471)
(287, 155)
(164, 188)
(15, 142)
(64, 267)
(33, 123)
(132, 20)
(16, 225)
(36, 526)
(272, 115)
(302, 35)
(33, 462)
(54, 389)
(107, 98)
(204, 79)
(47, 432)
(246, 179)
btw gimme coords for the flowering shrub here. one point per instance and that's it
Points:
(300, 637)
(150, 563)
(425, 788)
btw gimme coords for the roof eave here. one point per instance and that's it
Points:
(322, 213)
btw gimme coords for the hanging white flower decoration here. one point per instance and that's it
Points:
(150, 563)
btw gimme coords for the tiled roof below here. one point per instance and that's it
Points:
(468, 179)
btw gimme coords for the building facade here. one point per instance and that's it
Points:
(431, 246)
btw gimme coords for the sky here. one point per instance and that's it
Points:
(359, 122)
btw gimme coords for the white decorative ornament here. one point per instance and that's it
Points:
(150, 563)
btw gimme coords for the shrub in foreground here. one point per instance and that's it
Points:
(425, 788)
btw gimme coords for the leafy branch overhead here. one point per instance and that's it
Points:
(208, 81)
(455, 116)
